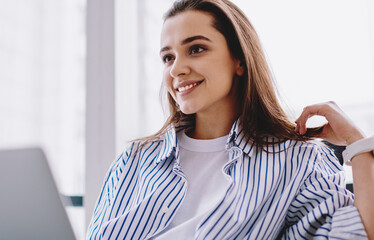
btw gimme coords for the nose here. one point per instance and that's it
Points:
(179, 68)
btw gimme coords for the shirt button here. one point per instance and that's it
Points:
(165, 209)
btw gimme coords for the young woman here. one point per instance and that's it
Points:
(228, 163)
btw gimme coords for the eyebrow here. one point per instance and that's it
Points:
(187, 40)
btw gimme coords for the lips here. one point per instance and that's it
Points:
(187, 85)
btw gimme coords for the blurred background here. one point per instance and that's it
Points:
(81, 78)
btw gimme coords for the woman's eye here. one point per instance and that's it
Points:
(196, 49)
(167, 58)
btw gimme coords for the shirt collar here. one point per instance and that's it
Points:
(248, 146)
(169, 145)
(236, 138)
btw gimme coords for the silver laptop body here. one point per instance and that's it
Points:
(30, 204)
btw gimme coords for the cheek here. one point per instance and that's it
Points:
(168, 83)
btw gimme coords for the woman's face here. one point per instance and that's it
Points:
(198, 66)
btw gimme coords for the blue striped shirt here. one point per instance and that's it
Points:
(289, 190)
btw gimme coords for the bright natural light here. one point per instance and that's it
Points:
(318, 51)
(42, 87)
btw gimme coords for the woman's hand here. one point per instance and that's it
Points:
(338, 130)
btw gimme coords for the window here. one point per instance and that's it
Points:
(42, 86)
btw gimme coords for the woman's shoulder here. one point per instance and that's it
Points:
(314, 144)
(316, 152)
(277, 144)
(135, 147)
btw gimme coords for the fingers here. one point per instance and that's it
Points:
(322, 109)
(340, 128)
(301, 122)
(307, 113)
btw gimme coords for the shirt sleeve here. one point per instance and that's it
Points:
(323, 208)
(106, 196)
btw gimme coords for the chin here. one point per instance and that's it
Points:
(188, 110)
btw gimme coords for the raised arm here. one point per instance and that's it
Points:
(340, 130)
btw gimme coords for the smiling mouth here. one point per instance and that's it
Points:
(185, 88)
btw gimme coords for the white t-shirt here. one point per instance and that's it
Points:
(202, 162)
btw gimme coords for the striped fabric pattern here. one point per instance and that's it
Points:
(293, 190)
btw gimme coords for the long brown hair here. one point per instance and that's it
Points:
(261, 114)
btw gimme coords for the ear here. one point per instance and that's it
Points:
(239, 68)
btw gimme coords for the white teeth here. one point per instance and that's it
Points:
(182, 89)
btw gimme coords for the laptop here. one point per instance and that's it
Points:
(30, 204)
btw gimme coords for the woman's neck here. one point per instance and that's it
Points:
(210, 126)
